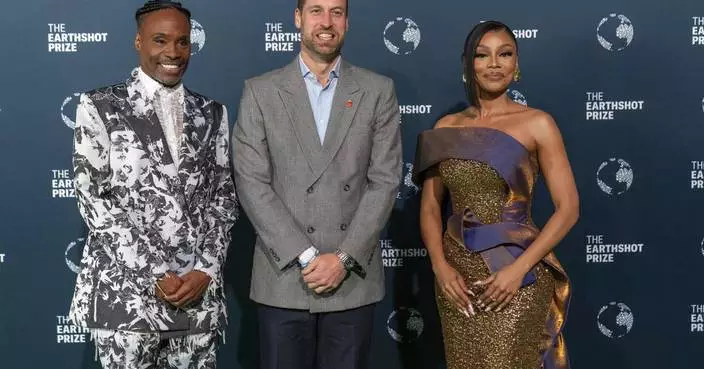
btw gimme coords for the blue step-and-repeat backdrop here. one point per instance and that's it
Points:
(623, 79)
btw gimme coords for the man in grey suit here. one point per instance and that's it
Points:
(317, 159)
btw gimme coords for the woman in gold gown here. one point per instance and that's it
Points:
(501, 292)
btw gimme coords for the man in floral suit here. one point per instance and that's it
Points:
(154, 186)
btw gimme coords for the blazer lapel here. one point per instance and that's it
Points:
(344, 106)
(191, 139)
(297, 105)
(195, 130)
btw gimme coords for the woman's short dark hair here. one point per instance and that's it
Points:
(470, 49)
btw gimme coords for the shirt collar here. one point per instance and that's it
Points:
(305, 71)
(152, 86)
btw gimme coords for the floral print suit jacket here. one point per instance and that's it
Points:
(145, 215)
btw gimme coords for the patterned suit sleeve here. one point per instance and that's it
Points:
(110, 226)
(222, 212)
(383, 178)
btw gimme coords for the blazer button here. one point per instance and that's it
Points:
(311, 229)
(274, 255)
(310, 189)
(346, 188)
(343, 226)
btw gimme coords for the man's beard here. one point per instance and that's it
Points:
(322, 54)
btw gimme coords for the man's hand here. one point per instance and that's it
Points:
(194, 285)
(324, 273)
(168, 285)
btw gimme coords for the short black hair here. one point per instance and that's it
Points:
(470, 49)
(154, 5)
(301, 3)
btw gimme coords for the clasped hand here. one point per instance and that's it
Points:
(181, 291)
(498, 289)
(324, 273)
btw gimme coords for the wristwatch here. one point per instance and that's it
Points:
(345, 259)
(307, 256)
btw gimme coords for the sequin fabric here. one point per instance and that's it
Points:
(169, 108)
(515, 337)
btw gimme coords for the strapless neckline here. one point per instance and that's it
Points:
(500, 131)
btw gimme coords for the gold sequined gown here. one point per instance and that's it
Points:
(489, 177)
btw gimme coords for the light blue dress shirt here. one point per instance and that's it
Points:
(320, 96)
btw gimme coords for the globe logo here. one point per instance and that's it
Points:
(615, 320)
(614, 176)
(517, 96)
(405, 325)
(197, 37)
(73, 254)
(408, 189)
(68, 110)
(615, 32)
(402, 36)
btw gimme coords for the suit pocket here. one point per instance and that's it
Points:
(119, 297)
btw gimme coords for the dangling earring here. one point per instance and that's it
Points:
(517, 75)
(464, 78)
